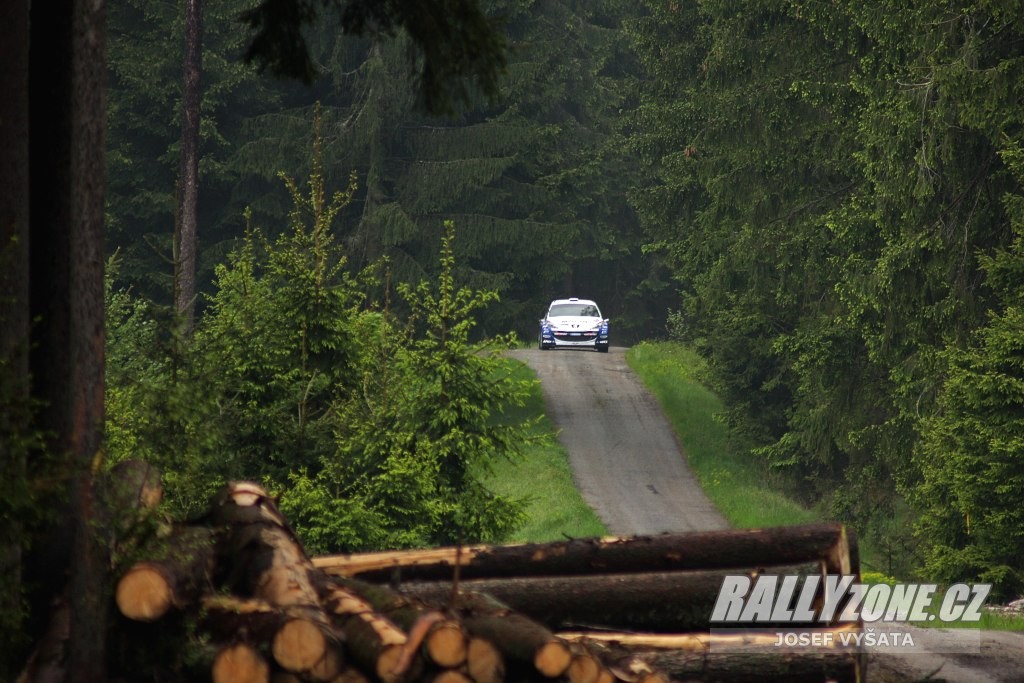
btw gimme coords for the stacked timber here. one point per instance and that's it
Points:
(630, 610)
(648, 597)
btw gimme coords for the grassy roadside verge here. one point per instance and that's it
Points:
(732, 480)
(555, 508)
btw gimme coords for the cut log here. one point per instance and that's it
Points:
(240, 663)
(519, 638)
(225, 615)
(328, 668)
(298, 642)
(451, 676)
(299, 645)
(179, 571)
(741, 658)
(484, 661)
(246, 502)
(668, 602)
(832, 543)
(131, 485)
(694, 642)
(351, 675)
(260, 553)
(615, 659)
(605, 676)
(375, 643)
(584, 667)
(265, 560)
(757, 667)
(145, 592)
(444, 641)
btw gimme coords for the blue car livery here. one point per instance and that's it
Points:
(573, 323)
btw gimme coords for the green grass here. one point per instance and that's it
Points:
(555, 509)
(737, 484)
(990, 619)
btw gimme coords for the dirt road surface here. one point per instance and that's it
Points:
(633, 473)
(624, 455)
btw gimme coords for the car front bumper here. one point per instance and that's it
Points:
(558, 338)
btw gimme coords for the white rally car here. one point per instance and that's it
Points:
(574, 322)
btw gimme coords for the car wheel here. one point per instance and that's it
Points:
(603, 348)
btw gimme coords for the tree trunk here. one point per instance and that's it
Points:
(519, 638)
(67, 107)
(240, 663)
(444, 642)
(756, 667)
(298, 645)
(151, 588)
(186, 242)
(484, 661)
(645, 658)
(735, 548)
(376, 643)
(665, 602)
(264, 560)
(15, 415)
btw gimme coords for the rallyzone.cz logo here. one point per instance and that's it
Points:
(795, 599)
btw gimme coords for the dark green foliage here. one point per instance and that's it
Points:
(822, 178)
(972, 448)
(373, 430)
(454, 40)
(144, 133)
(534, 176)
(418, 429)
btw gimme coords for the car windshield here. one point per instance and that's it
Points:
(574, 311)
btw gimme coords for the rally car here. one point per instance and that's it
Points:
(573, 322)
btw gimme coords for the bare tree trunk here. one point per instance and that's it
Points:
(15, 415)
(832, 543)
(186, 239)
(67, 108)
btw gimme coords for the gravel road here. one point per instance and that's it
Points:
(624, 455)
(633, 473)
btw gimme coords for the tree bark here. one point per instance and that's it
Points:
(298, 645)
(519, 638)
(735, 548)
(646, 658)
(264, 560)
(445, 642)
(751, 667)
(151, 588)
(240, 663)
(376, 643)
(67, 107)
(484, 661)
(15, 415)
(186, 240)
(665, 602)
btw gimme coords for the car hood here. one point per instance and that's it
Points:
(575, 323)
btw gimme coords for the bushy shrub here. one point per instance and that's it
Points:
(371, 428)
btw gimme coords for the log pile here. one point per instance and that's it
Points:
(577, 611)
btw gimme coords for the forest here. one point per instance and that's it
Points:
(826, 200)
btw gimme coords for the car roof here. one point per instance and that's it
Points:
(572, 300)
